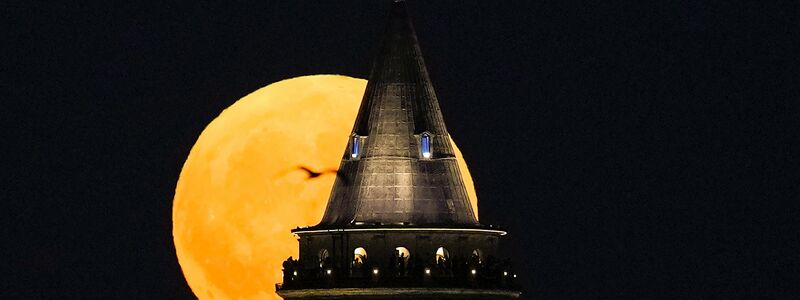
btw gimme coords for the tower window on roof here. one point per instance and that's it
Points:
(425, 145)
(355, 147)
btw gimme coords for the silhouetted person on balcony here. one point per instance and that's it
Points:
(401, 264)
(288, 270)
(440, 265)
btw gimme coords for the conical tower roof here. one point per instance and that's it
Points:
(399, 166)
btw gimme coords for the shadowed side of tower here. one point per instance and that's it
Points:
(399, 225)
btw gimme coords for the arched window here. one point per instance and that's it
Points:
(401, 264)
(403, 255)
(477, 256)
(359, 257)
(322, 256)
(355, 147)
(425, 145)
(442, 255)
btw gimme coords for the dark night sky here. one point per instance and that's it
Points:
(636, 150)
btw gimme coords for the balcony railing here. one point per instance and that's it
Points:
(365, 276)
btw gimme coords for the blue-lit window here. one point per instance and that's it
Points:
(425, 145)
(355, 148)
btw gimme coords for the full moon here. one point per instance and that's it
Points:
(239, 193)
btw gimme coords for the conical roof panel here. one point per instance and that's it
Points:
(390, 178)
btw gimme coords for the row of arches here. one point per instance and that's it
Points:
(401, 253)
(466, 268)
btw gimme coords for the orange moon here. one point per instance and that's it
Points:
(239, 192)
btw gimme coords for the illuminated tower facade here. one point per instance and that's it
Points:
(399, 224)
